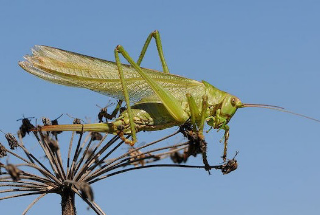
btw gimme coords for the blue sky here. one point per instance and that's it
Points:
(262, 51)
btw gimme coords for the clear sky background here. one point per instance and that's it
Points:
(262, 51)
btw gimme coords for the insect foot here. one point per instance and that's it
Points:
(120, 133)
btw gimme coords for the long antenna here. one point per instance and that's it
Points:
(277, 108)
(261, 105)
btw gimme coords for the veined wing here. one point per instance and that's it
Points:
(76, 70)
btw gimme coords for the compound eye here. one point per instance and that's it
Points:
(233, 101)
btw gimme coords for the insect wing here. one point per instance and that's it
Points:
(76, 70)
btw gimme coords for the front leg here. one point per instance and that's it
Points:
(222, 123)
(197, 133)
(226, 138)
(219, 123)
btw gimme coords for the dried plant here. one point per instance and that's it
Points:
(90, 158)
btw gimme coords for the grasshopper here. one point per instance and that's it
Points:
(159, 99)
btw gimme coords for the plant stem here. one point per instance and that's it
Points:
(67, 202)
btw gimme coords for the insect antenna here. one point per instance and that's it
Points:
(277, 108)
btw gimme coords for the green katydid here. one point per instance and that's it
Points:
(160, 99)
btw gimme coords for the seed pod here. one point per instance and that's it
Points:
(96, 136)
(230, 166)
(77, 121)
(13, 171)
(53, 144)
(12, 141)
(55, 122)
(86, 190)
(89, 154)
(177, 157)
(1, 165)
(136, 155)
(3, 151)
(46, 121)
(26, 127)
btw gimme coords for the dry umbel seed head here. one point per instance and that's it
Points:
(86, 164)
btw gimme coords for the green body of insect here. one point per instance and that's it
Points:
(151, 115)
(160, 99)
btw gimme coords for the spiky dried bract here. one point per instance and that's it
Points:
(3, 151)
(12, 141)
(13, 171)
